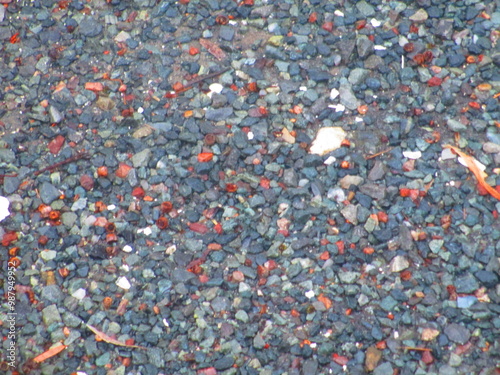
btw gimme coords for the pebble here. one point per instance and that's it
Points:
(455, 125)
(347, 97)
(50, 315)
(48, 193)
(327, 139)
(399, 263)
(457, 333)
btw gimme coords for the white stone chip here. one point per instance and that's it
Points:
(127, 248)
(327, 139)
(123, 283)
(412, 154)
(379, 48)
(334, 93)
(4, 208)
(310, 294)
(330, 160)
(79, 294)
(375, 22)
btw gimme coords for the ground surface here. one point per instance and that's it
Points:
(379, 257)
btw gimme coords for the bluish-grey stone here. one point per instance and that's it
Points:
(218, 114)
(457, 333)
(48, 193)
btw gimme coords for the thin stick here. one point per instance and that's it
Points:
(378, 153)
(79, 155)
(418, 349)
(204, 77)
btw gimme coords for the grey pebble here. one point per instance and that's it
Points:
(457, 333)
(48, 193)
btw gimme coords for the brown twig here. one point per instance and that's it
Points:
(204, 77)
(417, 349)
(2, 176)
(378, 153)
(79, 155)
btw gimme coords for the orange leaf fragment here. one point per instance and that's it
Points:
(123, 170)
(204, 157)
(325, 301)
(49, 353)
(471, 164)
(188, 113)
(102, 336)
(94, 86)
(193, 51)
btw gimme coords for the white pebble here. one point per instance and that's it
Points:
(327, 139)
(412, 154)
(330, 160)
(310, 294)
(127, 248)
(375, 23)
(334, 93)
(79, 294)
(4, 208)
(123, 283)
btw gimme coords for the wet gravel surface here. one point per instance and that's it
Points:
(157, 161)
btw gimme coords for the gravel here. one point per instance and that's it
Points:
(363, 247)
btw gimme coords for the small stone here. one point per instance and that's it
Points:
(372, 358)
(346, 181)
(491, 148)
(350, 213)
(488, 278)
(48, 193)
(47, 255)
(466, 284)
(242, 316)
(218, 114)
(347, 97)
(455, 125)
(383, 369)
(258, 342)
(80, 204)
(457, 333)
(349, 277)
(399, 263)
(104, 103)
(90, 27)
(429, 334)
(419, 16)
(466, 302)
(226, 33)
(378, 171)
(358, 76)
(141, 159)
(55, 115)
(51, 315)
(52, 293)
(224, 363)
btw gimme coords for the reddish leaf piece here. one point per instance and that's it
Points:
(214, 49)
(205, 157)
(87, 182)
(123, 170)
(56, 144)
(340, 246)
(198, 228)
(480, 176)
(325, 301)
(340, 359)
(313, 17)
(111, 340)
(434, 81)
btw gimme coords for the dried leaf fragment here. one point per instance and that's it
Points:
(111, 340)
(54, 350)
(213, 48)
(472, 165)
(429, 334)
